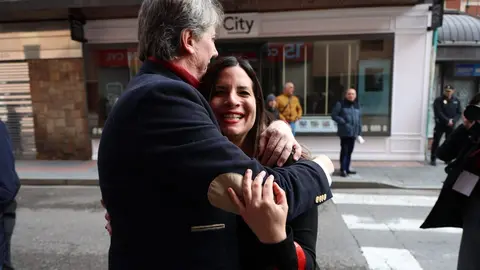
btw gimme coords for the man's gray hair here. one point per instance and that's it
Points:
(161, 23)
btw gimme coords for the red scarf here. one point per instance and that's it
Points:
(179, 71)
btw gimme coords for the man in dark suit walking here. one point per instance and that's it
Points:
(161, 148)
(9, 186)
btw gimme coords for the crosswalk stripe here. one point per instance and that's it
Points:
(387, 200)
(383, 258)
(396, 224)
(390, 259)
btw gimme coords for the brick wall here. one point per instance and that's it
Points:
(453, 4)
(59, 108)
(473, 10)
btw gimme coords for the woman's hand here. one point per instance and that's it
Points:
(277, 144)
(264, 208)
(108, 227)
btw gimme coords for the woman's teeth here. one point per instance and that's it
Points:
(232, 116)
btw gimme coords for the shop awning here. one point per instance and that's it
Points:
(459, 29)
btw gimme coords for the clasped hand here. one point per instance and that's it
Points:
(263, 208)
(276, 145)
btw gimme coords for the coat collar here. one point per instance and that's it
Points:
(180, 73)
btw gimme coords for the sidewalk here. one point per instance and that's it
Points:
(397, 174)
(374, 174)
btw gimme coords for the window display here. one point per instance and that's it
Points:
(322, 71)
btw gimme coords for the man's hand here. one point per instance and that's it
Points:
(450, 123)
(277, 143)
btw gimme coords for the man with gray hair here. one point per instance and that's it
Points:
(161, 148)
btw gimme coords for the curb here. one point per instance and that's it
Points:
(59, 182)
(377, 185)
(335, 184)
(361, 185)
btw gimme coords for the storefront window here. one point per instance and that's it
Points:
(109, 68)
(321, 71)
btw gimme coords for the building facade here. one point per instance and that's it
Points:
(42, 91)
(382, 52)
(457, 57)
(382, 48)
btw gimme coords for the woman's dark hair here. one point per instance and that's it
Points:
(207, 88)
(475, 100)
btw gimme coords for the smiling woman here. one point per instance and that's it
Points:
(235, 95)
(234, 104)
(236, 99)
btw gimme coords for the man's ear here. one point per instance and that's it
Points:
(187, 40)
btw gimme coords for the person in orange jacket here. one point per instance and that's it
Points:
(289, 106)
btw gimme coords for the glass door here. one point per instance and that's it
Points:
(286, 62)
(334, 71)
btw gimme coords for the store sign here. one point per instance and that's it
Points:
(240, 25)
(277, 52)
(467, 70)
(113, 58)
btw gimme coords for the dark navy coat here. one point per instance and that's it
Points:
(445, 109)
(348, 117)
(9, 185)
(450, 206)
(160, 149)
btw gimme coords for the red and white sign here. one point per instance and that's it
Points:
(113, 58)
(292, 51)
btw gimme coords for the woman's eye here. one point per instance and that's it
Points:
(245, 93)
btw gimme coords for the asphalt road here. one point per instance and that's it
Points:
(60, 228)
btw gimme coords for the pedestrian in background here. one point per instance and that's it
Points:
(9, 186)
(271, 107)
(447, 111)
(289, 106)
(458, 204)
(347, 115)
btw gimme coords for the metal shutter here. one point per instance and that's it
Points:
(16, 107)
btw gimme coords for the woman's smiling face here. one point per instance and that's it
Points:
(233, 103)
